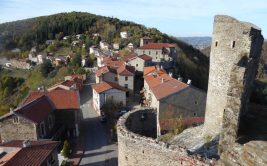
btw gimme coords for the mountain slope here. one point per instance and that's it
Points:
(191, 63)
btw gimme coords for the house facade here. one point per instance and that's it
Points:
(67, 108)
(173, 99)
(33, 121)
(107, 91)
(145, 41)
(163, 54)
(139, 62)
(118, 73)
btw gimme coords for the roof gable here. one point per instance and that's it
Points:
(105, 86)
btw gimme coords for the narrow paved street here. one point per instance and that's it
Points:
(98, 149)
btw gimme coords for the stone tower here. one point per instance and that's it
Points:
(235, 51)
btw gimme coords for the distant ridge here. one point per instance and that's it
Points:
(197, 42)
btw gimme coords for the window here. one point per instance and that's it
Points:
(144, 52)
(126, 86)
(156, 52)
(233, 44)
(126, 78)
(156, 57)
(116, 78)
(42, 126)
(216, 43)
(50, 121)
(136, 65)
(196, 102)
(149, 52)
(16, 120)
(195, 114)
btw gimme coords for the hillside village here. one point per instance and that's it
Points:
(142, 77)
(94, 85)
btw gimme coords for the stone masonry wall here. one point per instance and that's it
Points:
(233, 42)
(136, 150)
(23, 130)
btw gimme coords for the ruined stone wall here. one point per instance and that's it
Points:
(136, 150)
(234, 58)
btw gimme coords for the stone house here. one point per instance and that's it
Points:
(104, 45)
(34, 120)
(20, 64)
(125, 34)
(145, 40)
(117, 72)
(138, 61)
(67, 106)
(163, 54)
(105, 91)
(19, 152)
(172, 99)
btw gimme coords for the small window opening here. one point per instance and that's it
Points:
(233, 44)
(216, 43)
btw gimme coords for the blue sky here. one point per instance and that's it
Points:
(174, 17)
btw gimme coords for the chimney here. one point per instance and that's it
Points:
(26, 143)
(162, 80)
(180, 78)
(11, 110)
(158, 68)
(170, 74)
(189, 82)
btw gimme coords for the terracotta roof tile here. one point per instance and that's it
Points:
(157, 46)
(36, 110)
(126, 70)
(104, 86)
(104, 70)
(35, 154)
(129, 57)
(153, 70)
(62, 99)
(167, 88)
(145, 57)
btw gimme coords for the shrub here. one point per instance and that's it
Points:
(66, 149)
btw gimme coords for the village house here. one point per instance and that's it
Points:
(125, 34)
(130, 46)
(145, 40)
(117, 72)
(25, 153)
(116, 46)
(49, 42)
(39, 58)
(93, 49)
(73, 82)
(60, 60)
(107, 91)
(138, 61)
(104, 45)
(67, 108)
(163, 54)
(172, 99)
(102, 60)
(34, 120)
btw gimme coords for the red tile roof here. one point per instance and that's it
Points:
(35, 154)
(157, 46)
(104, 86)
(145, 57)
(62, 99)
(153, 69)
(104, 70)
(168, 87)
(37, 110)
(129, 57)
(126, 70)
(114, 64)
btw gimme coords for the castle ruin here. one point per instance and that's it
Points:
(235, 52)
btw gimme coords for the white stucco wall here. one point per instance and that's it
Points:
(130, 82)
(138, 63)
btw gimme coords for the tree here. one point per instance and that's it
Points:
(81, 70)
(76, 60)
(46, 68)
(66, 149)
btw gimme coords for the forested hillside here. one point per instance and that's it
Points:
(23, 34)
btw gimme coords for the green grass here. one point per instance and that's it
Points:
(63, 51)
